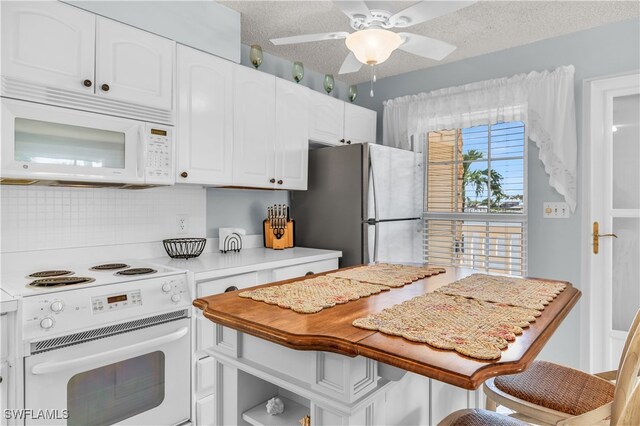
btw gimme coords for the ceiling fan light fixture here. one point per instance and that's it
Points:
(373, 46)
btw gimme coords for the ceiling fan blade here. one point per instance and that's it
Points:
(354, 8)
(425, 11)
(425, 46)
(306, 38)
(350, 64)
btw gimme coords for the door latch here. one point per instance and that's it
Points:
(597, 235)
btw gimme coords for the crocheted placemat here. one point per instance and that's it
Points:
(390, 275)
(533, 294)
(314, 294)
(471, 327)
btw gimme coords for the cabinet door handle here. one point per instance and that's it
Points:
(309, 273)
(272, 180)
(348, 142)
(280, 182)
(87, 83)
(184, 174)
(232, 288)
(342, 140)
(105, 87)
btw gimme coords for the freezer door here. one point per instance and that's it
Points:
(395, 183)
(397, 241)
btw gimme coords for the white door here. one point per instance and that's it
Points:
(292, 135)
(49, 43)
(205, 118)
(359, 124)
(613, 179)
(133, 65)
(254, 128)
(326, 119)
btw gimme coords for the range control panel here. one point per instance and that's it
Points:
(159, 154)
(117, 301)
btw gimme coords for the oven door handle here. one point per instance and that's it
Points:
(54, 367)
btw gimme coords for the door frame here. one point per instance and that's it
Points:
(595, 322)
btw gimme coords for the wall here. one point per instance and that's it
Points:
(47, 218)
(554, 245)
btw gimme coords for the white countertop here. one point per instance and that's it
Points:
(7, 302)
(215, 264)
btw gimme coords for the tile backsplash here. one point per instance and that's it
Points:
(37, 217)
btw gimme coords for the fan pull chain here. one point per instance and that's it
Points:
(373, 78)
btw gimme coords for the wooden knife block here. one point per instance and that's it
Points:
(286, 241)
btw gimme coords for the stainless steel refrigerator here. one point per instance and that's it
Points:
(365, 200)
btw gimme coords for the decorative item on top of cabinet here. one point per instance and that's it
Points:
(328, 83)
(204, 144)
(298, 71)
(255, 55)
(353, 93)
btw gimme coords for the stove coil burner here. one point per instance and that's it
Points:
(47, 274)
(60, 281)
(109, 267)
(137, 271)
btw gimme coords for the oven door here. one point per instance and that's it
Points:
(141, 377)
(42, 142)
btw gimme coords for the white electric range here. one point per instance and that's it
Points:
(105, 344)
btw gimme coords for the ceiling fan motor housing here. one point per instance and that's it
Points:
(378, 18)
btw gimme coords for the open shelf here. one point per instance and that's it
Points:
(293, 412)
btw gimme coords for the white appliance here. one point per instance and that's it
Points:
(370, 197)
(112, 350)
(48, 144)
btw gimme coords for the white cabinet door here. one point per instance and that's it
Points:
(292, 135)
(254, 128)
(133, 65)
(445, 399)
(205, 118)
(359, 124)
(49, 43)
(326, 119)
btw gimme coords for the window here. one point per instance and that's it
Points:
(475, 200)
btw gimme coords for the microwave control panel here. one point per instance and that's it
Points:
(159, 155)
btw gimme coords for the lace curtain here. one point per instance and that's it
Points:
(543, 100)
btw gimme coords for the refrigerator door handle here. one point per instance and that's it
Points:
(375, 242)
(372, 182)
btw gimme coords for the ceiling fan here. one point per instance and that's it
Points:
(372, 43)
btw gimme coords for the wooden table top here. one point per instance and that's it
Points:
(331, 330)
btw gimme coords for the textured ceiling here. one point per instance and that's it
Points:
(486, 26)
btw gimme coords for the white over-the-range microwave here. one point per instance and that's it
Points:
(62, 146)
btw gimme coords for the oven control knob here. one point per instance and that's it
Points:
(166, 287)
(175, 298)
(57, 306)
(46, 323)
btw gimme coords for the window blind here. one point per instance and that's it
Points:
(475, 200)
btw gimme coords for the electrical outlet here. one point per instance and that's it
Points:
(556, 211)
(182, 224)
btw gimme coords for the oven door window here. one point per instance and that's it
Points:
(115, 392)
(44, 142)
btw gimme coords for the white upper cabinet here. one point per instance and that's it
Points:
(205, 118)
(292, 135)
(254, 128)
(57, 54)
(359, 124)
(50, 43)
(133, 65)
(326, 119)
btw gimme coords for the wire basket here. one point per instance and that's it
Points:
(184, 248)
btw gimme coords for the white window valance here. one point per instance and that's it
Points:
(543, 100)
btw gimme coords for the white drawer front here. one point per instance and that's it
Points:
(217, 286)
(296, 271)
(206, 411)
(205, 375)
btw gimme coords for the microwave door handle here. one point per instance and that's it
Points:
(55, 367)
(140, 149)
